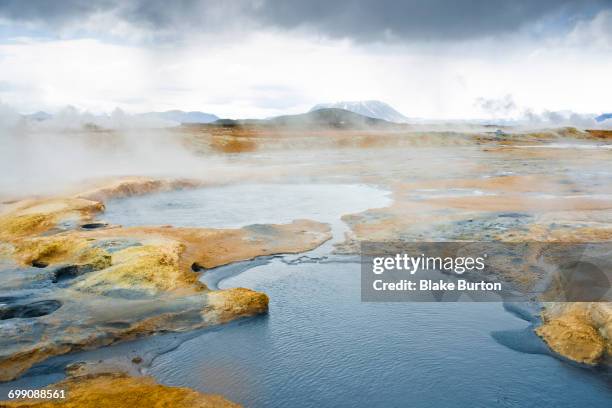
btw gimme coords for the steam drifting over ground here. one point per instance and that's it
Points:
(40, 157)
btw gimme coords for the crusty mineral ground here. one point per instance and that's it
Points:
(509, 208)
(90, 288)
(579, 331)
(546, 186)
(117, 390)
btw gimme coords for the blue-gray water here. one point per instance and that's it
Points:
(239, 205)
(321, 346)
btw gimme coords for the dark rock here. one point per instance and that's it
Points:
(94, 225)
(70, 271)
(35, 309)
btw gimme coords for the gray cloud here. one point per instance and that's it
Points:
(362, 20)
(420, 19)
(51, 12)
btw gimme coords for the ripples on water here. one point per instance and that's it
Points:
(321, 346)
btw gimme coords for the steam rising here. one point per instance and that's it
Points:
(40, 157)
(44, 156)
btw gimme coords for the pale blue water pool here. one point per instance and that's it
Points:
(238, 205)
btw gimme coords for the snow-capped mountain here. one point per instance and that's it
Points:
(372, 109)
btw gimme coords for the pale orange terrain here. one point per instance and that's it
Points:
(157, 267)
(444, 186)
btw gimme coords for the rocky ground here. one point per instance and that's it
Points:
(546, 186)
(562, 196)
(120, 390)
(90, 284)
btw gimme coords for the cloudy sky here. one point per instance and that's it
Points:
(441, 59)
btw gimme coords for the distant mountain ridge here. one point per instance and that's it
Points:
(325, 118)
(38, 116)
(181, 116)
(177, 116)
(372, 108)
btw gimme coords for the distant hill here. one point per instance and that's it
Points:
(603, 116)
(38, 116)
(319, 119)
(177, 116)
(181, 116)
(372, 109)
